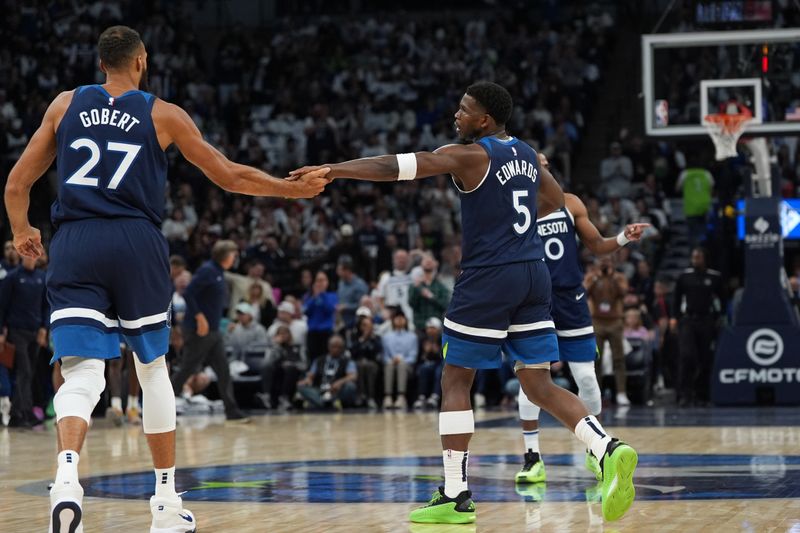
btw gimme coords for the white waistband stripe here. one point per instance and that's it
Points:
(92, 314)
(82, 312)
(144, 321)
(516, 328)
(575, 332)
(476, 332)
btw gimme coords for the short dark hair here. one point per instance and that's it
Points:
(494, 99)
(177, 261)
(118, 45)
(222, 249)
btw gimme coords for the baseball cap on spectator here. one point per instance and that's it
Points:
(245, 308)
(433, 322)
(286, 307)
(364, 311)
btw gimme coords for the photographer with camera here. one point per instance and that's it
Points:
(606, 289)
(331, 379)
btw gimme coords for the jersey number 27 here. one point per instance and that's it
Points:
(81, 176)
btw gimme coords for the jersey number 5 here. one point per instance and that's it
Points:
(81, 177)
(522, 210)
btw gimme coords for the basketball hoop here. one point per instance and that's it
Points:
(725, 129)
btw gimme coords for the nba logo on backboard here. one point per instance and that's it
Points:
(661, 109)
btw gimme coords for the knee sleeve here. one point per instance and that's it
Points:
(527, 409)
(84, 381)
(158, 400)
(588, 388)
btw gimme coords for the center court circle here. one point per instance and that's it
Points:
(413, 479)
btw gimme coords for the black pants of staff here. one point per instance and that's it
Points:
(695, 358)
(25, 356)
(198, 352)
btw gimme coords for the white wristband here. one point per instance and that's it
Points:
(406, 166)
(622, 240)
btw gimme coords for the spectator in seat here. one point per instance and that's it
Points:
(240, 285)
(429, 372)
(399, 355)
(319, 305)
(245, 333)
(297, 326)
(366, 350)
(331, 380)
(351, 289)
(281, 374)
(428, 297)
(616, 172)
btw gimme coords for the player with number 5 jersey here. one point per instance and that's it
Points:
(501, 300)
(109, 272)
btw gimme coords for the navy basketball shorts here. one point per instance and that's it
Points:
(108, 282)
(573, 322)
(500, 309)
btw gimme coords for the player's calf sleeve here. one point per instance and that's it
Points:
(527, 409)
(588, 388)
(158, 402)
(456, 422)
(84, 381)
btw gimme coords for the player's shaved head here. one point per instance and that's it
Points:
(117, 46)
(494, 99)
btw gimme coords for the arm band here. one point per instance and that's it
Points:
(622, 240)
(406, 166)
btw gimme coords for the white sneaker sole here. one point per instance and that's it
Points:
(66, 517)
(173, 529)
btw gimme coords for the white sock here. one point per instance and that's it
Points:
(165, 482)
(455, 472)
(133, 401)
(67, 472)
(116, 402)
(531, 440)
(592, 434)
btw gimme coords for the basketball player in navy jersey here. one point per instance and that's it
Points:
(501, 300)
(577, 346)
(109, 271)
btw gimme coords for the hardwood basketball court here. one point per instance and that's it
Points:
(699, 470)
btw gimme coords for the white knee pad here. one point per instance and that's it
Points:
(84, 381)
(158, 400)
(527, 409)
(588, 388)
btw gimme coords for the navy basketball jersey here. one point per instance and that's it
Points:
(499, 217)
(110, 163)
(557, 231)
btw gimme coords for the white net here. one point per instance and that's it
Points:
(725, 131)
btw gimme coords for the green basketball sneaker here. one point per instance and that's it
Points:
(618, 464)
(593, 466)
(444, 510)
(533, 470)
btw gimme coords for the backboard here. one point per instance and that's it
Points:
(686, 76)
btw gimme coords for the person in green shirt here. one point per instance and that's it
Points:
(697, 185)
(428, 297)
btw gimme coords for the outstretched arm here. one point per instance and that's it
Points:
(34, 161)
(592, 238)
(231, 176)
(462, 161)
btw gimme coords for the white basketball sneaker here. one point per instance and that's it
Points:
(66, 515)
(169, 516)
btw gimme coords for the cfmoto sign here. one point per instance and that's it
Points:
(764, 347)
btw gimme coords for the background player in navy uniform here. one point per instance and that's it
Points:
(109, 272)
(577, 346)
(501, 300)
